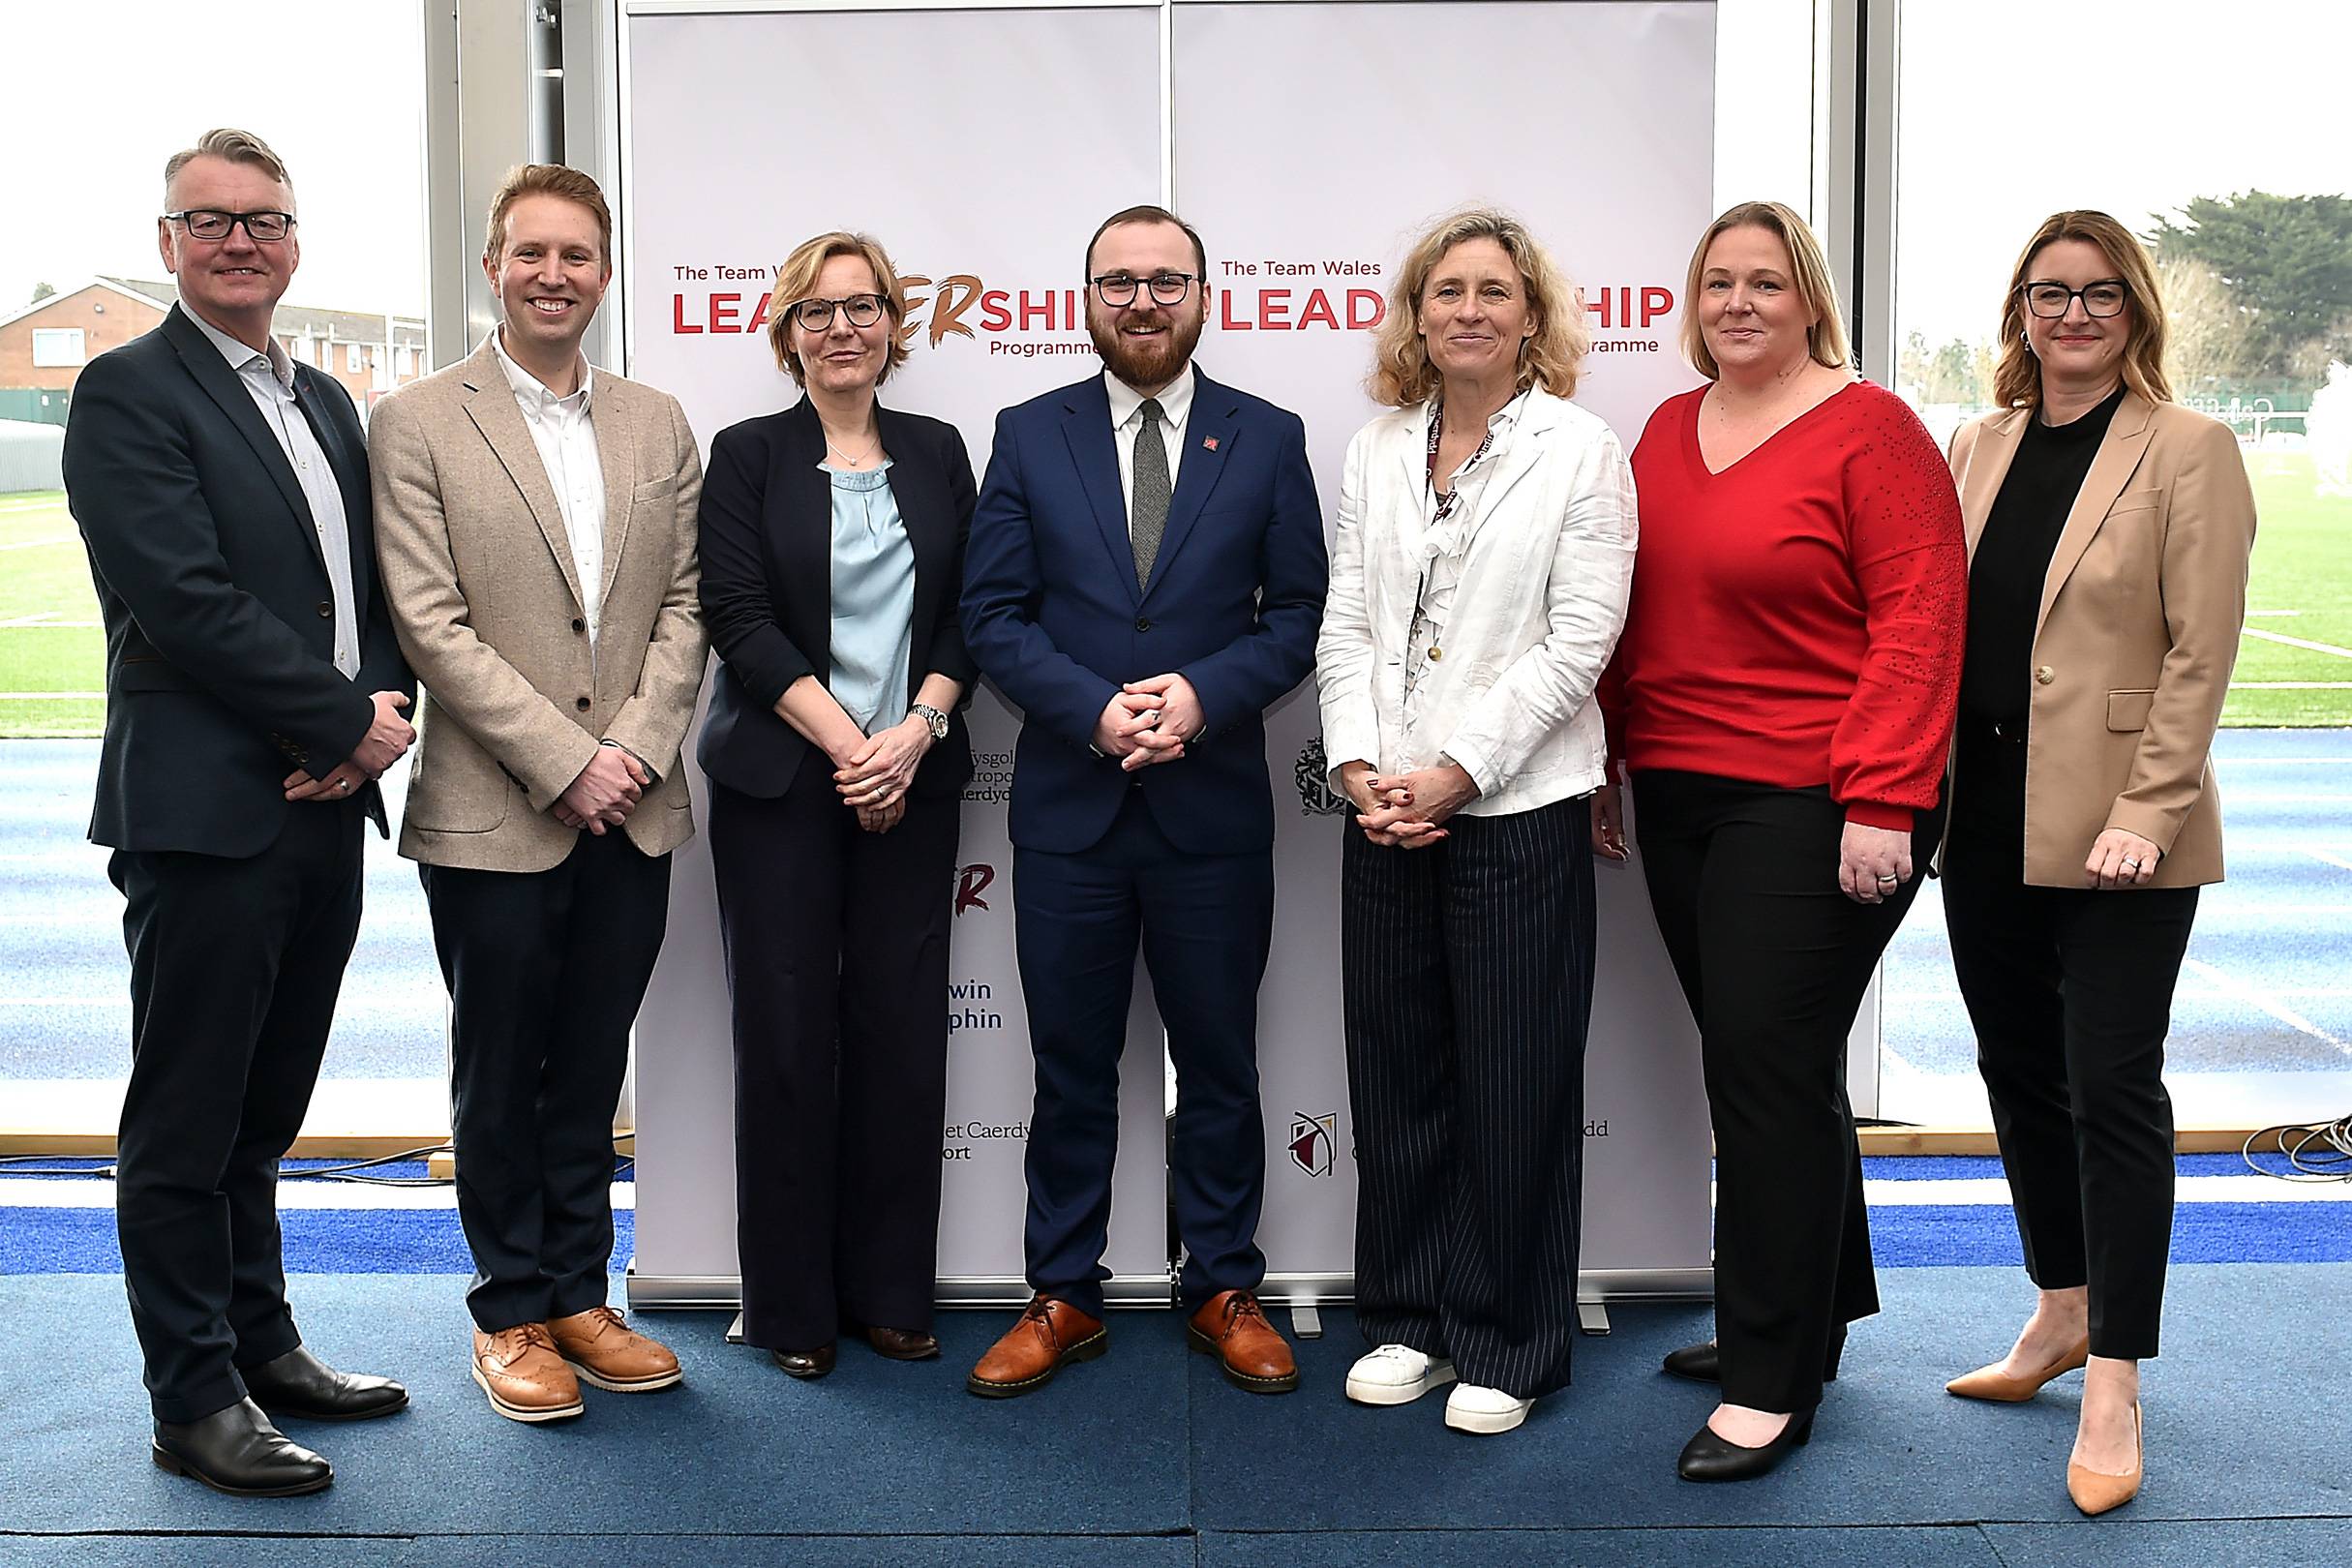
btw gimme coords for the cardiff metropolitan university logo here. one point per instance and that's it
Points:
(1313, 775)
(1315, 1140)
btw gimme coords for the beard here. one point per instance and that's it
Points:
(1145, 361)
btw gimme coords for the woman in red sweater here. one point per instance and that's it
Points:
(1783, 696)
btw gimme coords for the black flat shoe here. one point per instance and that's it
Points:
(1709, 1457)
(238, 1452)
(299, 1386)
(804, 1362)
(1701, 1363)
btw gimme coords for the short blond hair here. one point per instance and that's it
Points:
(1401, 374)
(548, 179)
(797, 280)
(1808, 268)
(2017, 377)
(237, 147)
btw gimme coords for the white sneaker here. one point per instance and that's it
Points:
(1485, 1411)
(1396, 1375)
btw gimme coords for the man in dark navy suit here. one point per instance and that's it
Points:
(1145, 576)
(222, 492)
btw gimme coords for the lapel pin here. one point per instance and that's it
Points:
(1209, 441)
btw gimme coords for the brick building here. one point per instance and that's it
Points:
(44, 345)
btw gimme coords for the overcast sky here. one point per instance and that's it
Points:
(2010, 110)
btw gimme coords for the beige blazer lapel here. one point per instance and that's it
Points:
(2119, 457)
(1988, 464)
(491, 405)
(617, 456)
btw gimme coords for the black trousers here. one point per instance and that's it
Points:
(1204, 924)
(1775, 960)
(1466, 974)
(546, 970)
(235, 969)
(2071, 993)
(837, 947)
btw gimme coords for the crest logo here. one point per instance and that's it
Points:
(1313, 1141)
(1312, 775)
(970, 881)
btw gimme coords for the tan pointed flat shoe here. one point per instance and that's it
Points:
(2094, 1491)
(1992, 1384)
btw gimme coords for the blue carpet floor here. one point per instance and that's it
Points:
(1146, 1457)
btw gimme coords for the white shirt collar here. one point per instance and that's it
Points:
(1175, 399)
(530, 388)
(241, 354)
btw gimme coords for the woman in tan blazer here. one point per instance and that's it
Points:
(2108, 533)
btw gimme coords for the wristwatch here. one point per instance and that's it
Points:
(932, 716)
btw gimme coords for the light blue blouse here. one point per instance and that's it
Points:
(873, 599)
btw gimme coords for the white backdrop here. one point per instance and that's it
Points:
(1301, 136)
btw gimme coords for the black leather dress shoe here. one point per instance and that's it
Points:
(902, 1345)
(237, 1451)
(298, 1386)
(1709, 1457)
(1702, 1362)
(804, 1362)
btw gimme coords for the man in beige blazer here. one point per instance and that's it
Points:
(535, 525)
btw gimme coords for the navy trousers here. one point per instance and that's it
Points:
(1204, 924)
(1466, 970)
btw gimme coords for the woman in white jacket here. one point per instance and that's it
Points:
(1479, 579)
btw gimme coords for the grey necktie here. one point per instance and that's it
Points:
(1149, 513)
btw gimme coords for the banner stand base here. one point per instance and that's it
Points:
(1592, 1318)
(1305, 1292)
(1307, 1322)
(677, 1292)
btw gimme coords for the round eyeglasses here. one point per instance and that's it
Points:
(816, 315)
(1117, 289)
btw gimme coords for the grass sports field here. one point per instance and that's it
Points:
(2294, 664)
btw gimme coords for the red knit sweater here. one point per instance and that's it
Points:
(1796, 619)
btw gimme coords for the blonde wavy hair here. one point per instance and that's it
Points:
(1808, 272)
(2017, 377)
(797, 280)
(1551, 358)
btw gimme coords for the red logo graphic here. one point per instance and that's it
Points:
(1209, 441)
(1312, 1141)
(970, 881)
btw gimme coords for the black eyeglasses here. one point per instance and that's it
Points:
(816, 315)
(2051, 300)
(1117, 289)
(264, 228)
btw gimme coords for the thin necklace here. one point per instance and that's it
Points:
(854, 462)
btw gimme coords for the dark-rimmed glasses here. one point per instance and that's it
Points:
(2052, 300)
(816, 315)
(1117, 289)
(264, 228)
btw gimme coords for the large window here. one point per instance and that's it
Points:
(2216, 133)
(88, 198)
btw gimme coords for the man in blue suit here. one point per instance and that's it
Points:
(1145, 576)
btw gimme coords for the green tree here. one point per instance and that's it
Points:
(2286, 260)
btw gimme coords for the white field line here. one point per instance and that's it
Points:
(2290, 685)
(2252, 613)
(2263, 1000)
(46, 621)
(2332, 860)
(49, 696)
(2297, 642)
(39, 544)
(36, 1192)
(1993, 1190)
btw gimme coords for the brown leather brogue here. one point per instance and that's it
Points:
(1048, 1333)
(605, 1351)
(523, 1375)
(902, 1345)
(1232, 1327)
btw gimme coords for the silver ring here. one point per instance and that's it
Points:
(2131, 865)
(342, 783)
(1893, 881)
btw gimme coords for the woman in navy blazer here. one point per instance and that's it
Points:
(832, 549)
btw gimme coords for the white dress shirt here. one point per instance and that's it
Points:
(268, 376)
(1127, 418)
(565, 435)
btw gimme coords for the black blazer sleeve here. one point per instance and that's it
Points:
(737, 609)
(948, 654)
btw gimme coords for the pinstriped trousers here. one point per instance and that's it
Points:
(1467, 973)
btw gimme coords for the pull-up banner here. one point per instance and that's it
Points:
(1309, 143)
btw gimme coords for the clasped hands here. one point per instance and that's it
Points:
(388, 740)
(1149, 721)
(873, 777)
(1407, 811)
(607, 789)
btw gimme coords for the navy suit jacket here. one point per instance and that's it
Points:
(1053, 615)
(221, 672)
(765, 532)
